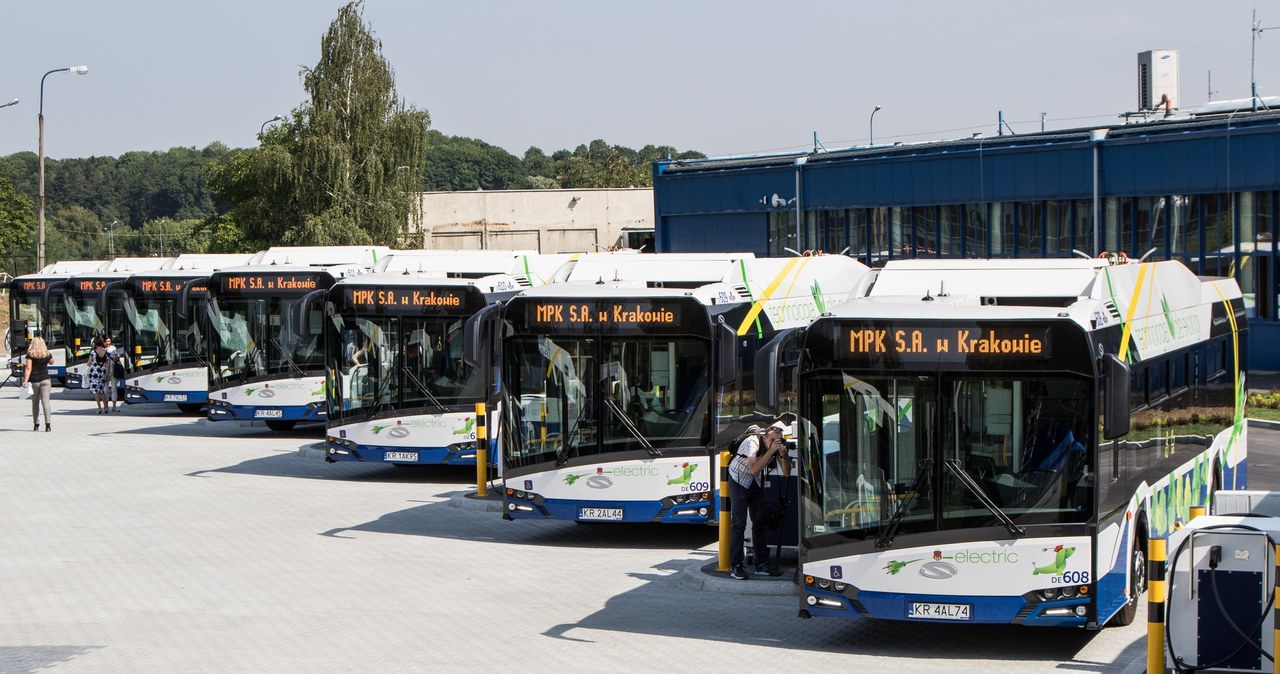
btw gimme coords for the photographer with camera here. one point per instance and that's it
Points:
(747, 497)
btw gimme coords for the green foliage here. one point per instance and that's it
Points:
(17, 227)
(456, 164)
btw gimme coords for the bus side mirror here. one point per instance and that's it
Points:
(184, 297)
(17, 336)
(727, 370)
(302, 310)
(473, 335)
(1115, 421)
(769, 366)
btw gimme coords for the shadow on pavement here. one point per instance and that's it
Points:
(294, 464)
(441, 520)
(30, 659)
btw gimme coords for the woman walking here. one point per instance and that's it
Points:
(36, 374)
(99, 364)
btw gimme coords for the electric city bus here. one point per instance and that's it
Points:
(622, 383)
(92, 308)
(995, 441)
(400, 390)
(35, 310)
(164, 340)
(260, 367)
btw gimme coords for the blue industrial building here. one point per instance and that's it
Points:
(1201, 189)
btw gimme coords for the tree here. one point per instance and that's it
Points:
(17, 225)
(347, 168)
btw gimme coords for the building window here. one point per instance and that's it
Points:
(950, 234)
(1030, 229)
(925, 224)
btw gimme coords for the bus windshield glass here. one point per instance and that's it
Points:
(399, 363)
(897, 450)
(25, 306)
(567, 397)
(82, 312)
(253, 339)
(152, 324)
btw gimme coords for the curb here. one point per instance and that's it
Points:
(702, 575)
(469, 501)
(1263, 423)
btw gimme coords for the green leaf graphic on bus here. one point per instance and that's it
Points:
(466, 429)
(571, 478)
(1059, 563)
(161, 378)
(378, 429)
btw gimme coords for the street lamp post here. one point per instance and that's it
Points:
(111, 237)
(263, 128)
(79, 70)
(13, 102)
(872, 124)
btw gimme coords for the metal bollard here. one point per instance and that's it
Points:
(1275, 620)
(482, 453)
(1157, 555)
(723, 564)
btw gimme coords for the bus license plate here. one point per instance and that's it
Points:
(268, 414)
(600, 513)
(175, 397)
(400, 456)
(934, 611)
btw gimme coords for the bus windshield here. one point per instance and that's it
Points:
(898, 449)
(581, 396)
(253, 338)
(25, 306)
(155, 328)
(399, 363)
(82, 311)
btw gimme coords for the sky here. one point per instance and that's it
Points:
(724, 77)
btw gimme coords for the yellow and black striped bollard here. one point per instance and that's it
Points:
(723, 564)
(482, 453)
(1156, 557)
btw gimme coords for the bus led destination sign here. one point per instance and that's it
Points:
(602, 314)
(32, 285)
(939, 343)
(406, 297)
(269, 282)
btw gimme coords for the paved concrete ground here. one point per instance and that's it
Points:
(153, 542)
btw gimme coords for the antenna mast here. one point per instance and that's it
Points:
(1255, 33)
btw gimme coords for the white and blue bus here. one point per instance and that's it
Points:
(260, 367)
(400, 390)
(621, 384)
(164, 340)
(36, 310)
(93, 307)
(996, 441)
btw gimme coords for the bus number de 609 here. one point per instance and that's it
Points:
(699, 486)
(1073, 578)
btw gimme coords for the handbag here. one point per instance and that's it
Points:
(24, 392)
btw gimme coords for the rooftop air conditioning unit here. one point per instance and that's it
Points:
(1157, 78)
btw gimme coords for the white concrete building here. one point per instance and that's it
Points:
(549, 221)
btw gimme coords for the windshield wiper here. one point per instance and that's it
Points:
(969, 483)
(562, 453)
(293, 367)
(886, 539)
(384, 387)
(426, 391)
(612, 406)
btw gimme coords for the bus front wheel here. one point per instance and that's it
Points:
(1137, 578)
(280, 425)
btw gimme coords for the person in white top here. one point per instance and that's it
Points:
(747, 497)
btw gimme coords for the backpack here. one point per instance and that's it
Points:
(117, 366)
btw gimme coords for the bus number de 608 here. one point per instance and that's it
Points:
(1073, 578)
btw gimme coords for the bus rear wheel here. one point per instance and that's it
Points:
(1137, 580)
(279, 425)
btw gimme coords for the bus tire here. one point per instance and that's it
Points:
(1137, 576)
(280, 425)
(190, 408)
